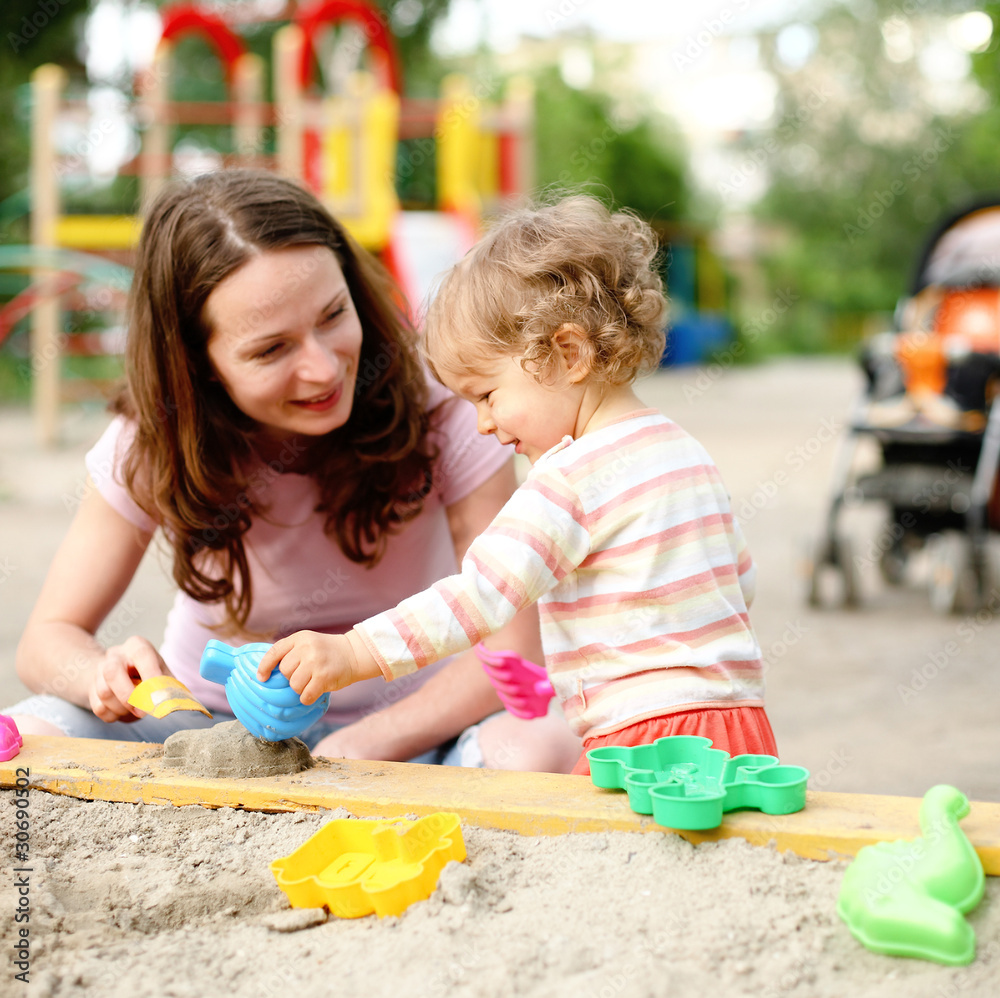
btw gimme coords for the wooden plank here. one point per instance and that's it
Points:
(832, 825)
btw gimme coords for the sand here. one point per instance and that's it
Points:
(228, 749)
(154, 901)
(157, 901)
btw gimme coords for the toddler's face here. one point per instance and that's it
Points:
(510, 403)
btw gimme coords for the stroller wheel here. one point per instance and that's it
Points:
(833, 576)
(892, 565)
(952, 580)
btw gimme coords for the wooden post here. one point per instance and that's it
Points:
(519, 115)
(248, 120)
(288, 42)
(156, 142)
(341, 142)
(47, 84)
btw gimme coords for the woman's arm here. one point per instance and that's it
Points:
(58, 652)
(459, 694)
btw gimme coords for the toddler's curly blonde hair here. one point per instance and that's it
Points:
(539, 268)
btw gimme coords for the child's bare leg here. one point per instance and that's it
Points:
(540, 745)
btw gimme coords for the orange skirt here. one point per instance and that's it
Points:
(736, 730)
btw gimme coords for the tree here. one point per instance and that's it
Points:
(32, 34)
(863, 160)
(581, 140)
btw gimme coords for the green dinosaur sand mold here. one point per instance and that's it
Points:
(908, 898)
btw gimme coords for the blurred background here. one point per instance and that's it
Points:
(795, 158)
(801, 146)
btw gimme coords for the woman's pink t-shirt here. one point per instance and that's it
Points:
(301, 579)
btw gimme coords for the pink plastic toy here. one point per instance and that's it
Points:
(10, 738)
(523, 687)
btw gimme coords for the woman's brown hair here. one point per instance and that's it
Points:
(191, 461)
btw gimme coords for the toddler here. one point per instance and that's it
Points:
(622, 530)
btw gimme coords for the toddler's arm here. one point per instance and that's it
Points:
(316, 663)
(538, 538)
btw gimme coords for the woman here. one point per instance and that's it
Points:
(278, 428)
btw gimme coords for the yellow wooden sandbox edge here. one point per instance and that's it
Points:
(832, 825)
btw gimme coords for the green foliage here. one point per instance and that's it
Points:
(861, 168)
(411, 23)
(15, 378)
(31, 34)
(986, 64)
(581, 141)
(120, 196)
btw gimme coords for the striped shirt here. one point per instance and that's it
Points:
(626, 540)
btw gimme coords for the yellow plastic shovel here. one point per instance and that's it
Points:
(161, 695)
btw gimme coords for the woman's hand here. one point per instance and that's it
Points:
(118, 671)
(315, 663)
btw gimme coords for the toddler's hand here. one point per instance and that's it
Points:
(314, 664)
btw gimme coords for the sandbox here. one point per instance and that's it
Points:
(160, 886)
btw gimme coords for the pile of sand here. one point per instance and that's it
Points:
(159, 901)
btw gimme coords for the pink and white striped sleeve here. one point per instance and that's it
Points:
(745, 566)
(538, 538)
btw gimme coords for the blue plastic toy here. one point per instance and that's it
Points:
(685, 783)
(271, 710)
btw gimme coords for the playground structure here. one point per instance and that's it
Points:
(342, 143)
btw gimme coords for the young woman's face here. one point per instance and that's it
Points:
(285, 340)
(512, 404)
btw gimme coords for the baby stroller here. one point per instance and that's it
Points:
(928, 406)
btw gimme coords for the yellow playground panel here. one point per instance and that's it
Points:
(359, 160)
